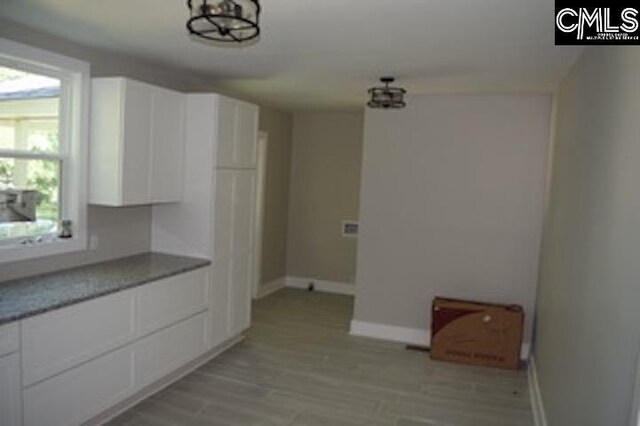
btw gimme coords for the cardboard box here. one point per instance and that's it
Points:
(476, 333)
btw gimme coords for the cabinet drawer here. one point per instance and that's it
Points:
(9, 341)
(10, 391)
(172, 299)
(160, 353)
(77, 395)
(62, 339)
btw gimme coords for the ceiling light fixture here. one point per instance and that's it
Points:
(387, 97)
(229, 21)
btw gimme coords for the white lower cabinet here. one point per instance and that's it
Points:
(167, 350)
(219, 312)
(79, 394)
(61, 339)
(240, 293)
(10, 405)
(77, 362)
(9, 338)
(167, 301)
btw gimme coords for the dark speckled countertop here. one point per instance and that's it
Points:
(31, 296)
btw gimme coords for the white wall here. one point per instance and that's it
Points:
(451, 205)
(588, 328)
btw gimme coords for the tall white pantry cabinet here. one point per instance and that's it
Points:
(216, 216)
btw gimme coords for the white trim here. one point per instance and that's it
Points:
(412, 336)
(634, 419)
(74, 117)
(162, 383)
(408, 335)
(539, 416)
(271, 287)
(321, 285)
(258, 224)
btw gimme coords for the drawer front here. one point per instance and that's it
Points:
(172, 299)
(9, 338)
(77, 395)
(62, 339)
(162, 352)
(10, 391)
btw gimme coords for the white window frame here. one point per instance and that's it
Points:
(74, 131)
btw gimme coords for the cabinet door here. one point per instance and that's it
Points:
(167, 146)
(10, 392)
(246, 142)
(61, 339)
(223, 215)
(234, 243)
(165, 351)
(136, 155)
(218, 325)
(240, 293)
(226, 132)
(237, 134)
(170, 300)
(106, 140)
(77, 395)
(9, 338)
(244, 199)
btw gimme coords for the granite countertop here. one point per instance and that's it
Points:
(31, 296)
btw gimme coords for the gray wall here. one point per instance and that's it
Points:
(588, 326)
(451, 205)
(278, 125)
(325, 187)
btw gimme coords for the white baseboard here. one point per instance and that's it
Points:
(407, 335)
(270, 287)
(321, 285)
(411, 336)
(539, 416)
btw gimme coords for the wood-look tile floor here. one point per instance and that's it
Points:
(299, 366)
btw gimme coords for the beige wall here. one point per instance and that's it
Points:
(325, 186)
(278, 126)
(451, 205)
(588, 326)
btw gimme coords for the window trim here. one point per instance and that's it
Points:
(74, 129)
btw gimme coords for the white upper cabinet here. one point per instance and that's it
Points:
(137, 143)
(237, 134)
(167, 146)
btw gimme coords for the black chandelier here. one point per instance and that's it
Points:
(229, 21)
(387, 97)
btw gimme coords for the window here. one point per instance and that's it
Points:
(43, 138)
(31, 156)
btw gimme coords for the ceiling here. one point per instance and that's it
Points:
(324, 54)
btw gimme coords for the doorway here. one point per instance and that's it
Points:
(261, 174)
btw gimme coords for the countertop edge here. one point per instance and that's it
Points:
(4, 321)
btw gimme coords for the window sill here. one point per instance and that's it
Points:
(48, 248)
